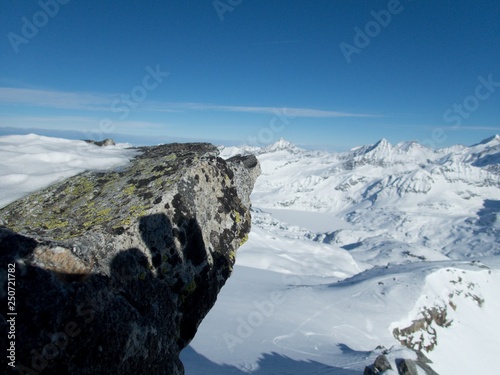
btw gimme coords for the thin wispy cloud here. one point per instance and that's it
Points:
(105, 102)
(453, 128)
(485, 128)
(81, 123)
(55, 99)
(287, 111)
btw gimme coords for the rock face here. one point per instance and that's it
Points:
(405, 366)
(411, 336)
(115, 271)
(410, 367)
(104, 143)
(381, 364)
(246, 170)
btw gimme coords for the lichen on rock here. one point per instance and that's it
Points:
(128, 261)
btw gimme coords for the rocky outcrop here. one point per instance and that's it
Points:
(103, 143)
(380, 365)
(412, 367)
(421, 334)
(115, 271)
(418, 364)
(246, 169)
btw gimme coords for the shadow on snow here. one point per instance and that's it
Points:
(269, 364)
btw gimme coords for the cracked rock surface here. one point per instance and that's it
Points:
(115, 271)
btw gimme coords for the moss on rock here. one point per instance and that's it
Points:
(145, 249)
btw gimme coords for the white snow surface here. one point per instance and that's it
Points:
(344, 249)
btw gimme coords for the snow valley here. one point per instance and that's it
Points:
(351, 255)
(379, 246)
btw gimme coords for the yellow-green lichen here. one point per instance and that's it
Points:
(135, 212)
(191, 287)
(125, 222)
(55, 224)
(158, 183)
(138, 211)
(171, 157)
(244, 240)
(97, 217)
(237, 217)
(104, 211)
(80, 187)
(129, 190)
(232, 260)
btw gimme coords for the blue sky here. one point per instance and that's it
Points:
(331, 74)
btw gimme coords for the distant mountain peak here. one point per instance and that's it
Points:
(381, 145)
(494, 138)
(410, 146)
(281, 145)
(382, 141)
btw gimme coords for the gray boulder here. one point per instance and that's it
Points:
(405, 366)
(411, 367)
(115, 271)
(380, 365)
(244, 180)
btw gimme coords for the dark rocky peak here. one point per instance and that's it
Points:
(104, 143)
(417, 364)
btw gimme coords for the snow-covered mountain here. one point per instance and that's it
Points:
(381, 245)
(425, 203)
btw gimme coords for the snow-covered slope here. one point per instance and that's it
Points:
(404, 195)
(381, 245)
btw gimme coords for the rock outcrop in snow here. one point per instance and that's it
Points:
(115, 271)
(418, 364)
